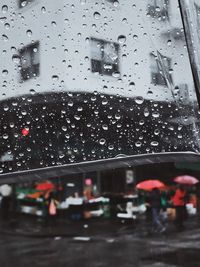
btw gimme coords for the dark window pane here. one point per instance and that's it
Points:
(104, 56)
(30, 66)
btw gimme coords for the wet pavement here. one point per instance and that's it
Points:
(96, 243)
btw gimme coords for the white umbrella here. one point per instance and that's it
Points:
(5, 190)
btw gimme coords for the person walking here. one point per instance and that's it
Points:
(179, 202)
(155, 203)
(5, 191)
(51, 210)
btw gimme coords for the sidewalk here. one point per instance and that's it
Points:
(35, 227)
(97, 227)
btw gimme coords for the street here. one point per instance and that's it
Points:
(98, 244)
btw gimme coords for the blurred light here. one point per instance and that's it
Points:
(88, 181)
(25, 131)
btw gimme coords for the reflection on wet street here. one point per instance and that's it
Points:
(102, 243)
(180, 257)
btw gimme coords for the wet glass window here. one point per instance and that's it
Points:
(30, 65)
(83, 81)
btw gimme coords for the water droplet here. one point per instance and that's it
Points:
(138, 144)
(55, 78)
(77, 117)
(146, 112)
(154, 143)
(131, 85)
(116, 74)
(16, 59)
(104, 102)
(53, 23)
(116, 3)
(32, 91)
(7, 26)
(139, 100)
(169, 42)
(4, 8)
(6, 108)
(117, 116)
(80, 109)
(23, 3)
(97, 15)
(102, 141)
(24, 112)
(5, 38)
(12, 125)
(5, 136)
(43, 9)
(155, 114)
(4, 73)
(29, 33)
(121, 39)
(110, 147)
(156, 132)
(141, 122)
(64, 128)
(105, 127)
(70, 103)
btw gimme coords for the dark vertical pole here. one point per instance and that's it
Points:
(190, 46)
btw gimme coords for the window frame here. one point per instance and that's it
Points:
(101, 62)
(32, 66)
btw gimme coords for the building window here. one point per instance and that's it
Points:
(30, 65)
(159, 9)
(23, 3)
(160, 69)
(104, 57)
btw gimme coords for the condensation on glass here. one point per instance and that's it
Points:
(83, 80)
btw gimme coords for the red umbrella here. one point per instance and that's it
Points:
(45, 186)
(150, 184)
(186, 179)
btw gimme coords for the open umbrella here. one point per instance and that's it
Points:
(45, 186)
(150, 184)
(186, 179)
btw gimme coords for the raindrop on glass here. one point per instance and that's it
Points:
(29, 33)
(97, 15)
(102, 141)
(64, 128)
(4, 8)
(55, 78)
(139, 100)
(16, 59)
(138, 144)
(121, 39)
(4, 73)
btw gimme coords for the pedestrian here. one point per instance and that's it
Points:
(52, 204)
(179, 202)
(155, 203)
(6, 191)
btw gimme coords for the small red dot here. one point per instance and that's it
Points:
(25, 131)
